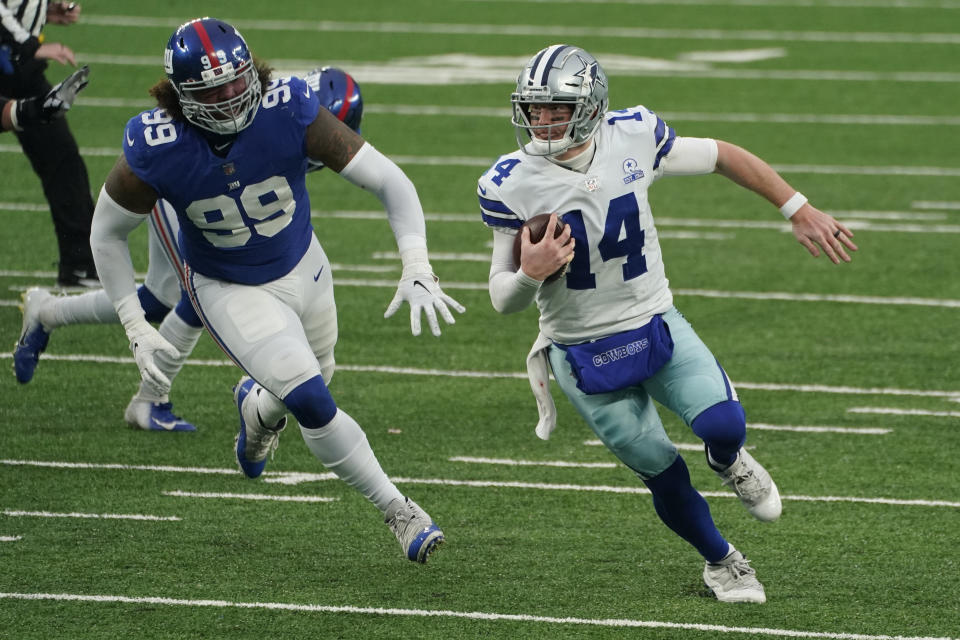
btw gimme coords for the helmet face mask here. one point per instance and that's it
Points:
(559, 74)
(210, 67)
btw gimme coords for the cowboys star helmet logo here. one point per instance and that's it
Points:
(589, 74)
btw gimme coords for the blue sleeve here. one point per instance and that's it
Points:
(135, 147)
(304, 103)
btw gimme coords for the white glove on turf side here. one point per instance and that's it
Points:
(420, 288)
(145, 343)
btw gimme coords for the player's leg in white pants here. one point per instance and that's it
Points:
(275, 332)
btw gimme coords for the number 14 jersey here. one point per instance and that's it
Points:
(616, 281)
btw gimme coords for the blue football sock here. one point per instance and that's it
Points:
(685, 511)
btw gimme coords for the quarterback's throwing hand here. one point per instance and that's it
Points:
(145, 344)
(424, 294)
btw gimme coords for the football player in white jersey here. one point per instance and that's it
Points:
(161, 295)
(609, 329)
(229, 148)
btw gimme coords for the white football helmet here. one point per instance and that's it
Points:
(566, 75)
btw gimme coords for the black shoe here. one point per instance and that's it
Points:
(79, 276)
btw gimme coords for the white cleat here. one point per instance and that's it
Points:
(416, 531)
(254, 441)
(753, 485)
(734, 580)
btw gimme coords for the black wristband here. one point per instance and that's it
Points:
(29, 113)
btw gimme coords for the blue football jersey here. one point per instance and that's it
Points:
(244, 217)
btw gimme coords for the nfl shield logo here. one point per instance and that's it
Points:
(228, 169)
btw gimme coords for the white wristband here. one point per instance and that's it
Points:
(13, 116)
(793, 205)
(415, 262)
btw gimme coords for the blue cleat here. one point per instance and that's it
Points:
(33, 337)
(154, 416)
(254, 442)
(418, 534)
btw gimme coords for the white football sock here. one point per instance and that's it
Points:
(86, 308)
(269, 408)
(342, 447)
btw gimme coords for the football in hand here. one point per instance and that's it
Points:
(538, 227)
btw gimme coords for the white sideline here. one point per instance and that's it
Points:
(470, 615)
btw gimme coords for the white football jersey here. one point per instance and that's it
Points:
(616, 281)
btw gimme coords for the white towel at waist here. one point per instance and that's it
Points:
(538, 372)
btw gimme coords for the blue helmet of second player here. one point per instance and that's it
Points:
(339, 93)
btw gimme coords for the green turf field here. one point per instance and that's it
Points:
(849, 373)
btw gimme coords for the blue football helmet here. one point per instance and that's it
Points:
(559, 74)
(339, 93)
(203, 55)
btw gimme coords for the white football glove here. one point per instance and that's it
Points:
(420, 288)
(145, 342)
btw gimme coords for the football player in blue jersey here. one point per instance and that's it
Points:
(609, 329)
(162, 296)
(228, 147)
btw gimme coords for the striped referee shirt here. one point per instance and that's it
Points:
(21, 19)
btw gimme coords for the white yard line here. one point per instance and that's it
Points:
(246, 496)
(932, 204)
(904, 412)
(296, 477)
(833, 4)
(484, 161)
(10, 538)
(567, 32)
(485, 616)
(419, 111)
(867, 431)
(96, 516)
(450, 373)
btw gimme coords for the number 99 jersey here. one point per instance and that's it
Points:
(616, 280)
(244, 217)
